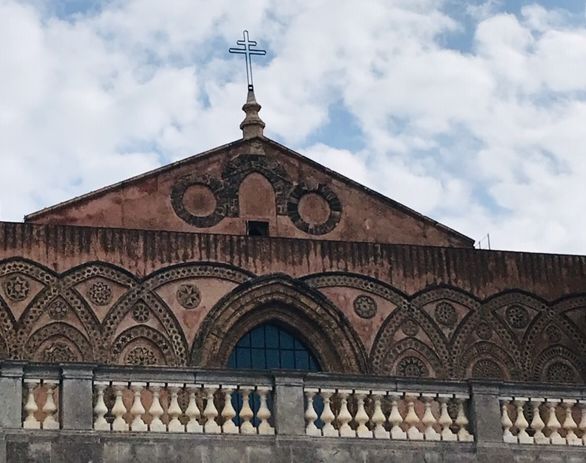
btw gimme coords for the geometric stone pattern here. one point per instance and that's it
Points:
(439, 332)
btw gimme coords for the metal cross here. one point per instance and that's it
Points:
(247, 50)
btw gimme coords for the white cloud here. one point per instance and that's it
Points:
(486, 139)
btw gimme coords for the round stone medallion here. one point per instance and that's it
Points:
(141, 355)
(314, 210)
(413, 367)
(100, 293)
(17, 288)
(364, 306)
(559, 372)
(410, 328)
(58, 310)
(199, 200)
(445, 314)
(484, 331)
(517, 316)
(140, 312)
(553, 334)
(487, 369)
(188, 296)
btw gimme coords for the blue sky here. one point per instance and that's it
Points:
(470, 112)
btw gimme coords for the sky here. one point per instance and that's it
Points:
(470, 112)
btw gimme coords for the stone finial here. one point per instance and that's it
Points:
(252, 125)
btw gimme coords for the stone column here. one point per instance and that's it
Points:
(289, 405)
(77, 397)
(11, 395)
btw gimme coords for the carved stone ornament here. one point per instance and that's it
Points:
(484, 331)
(412, 366)
(445, 314)
(410, 328)
(559, 372)
(364, 306)
(140, 312)
(141, 355)
(487, 369)
(215, 187)
(517, 316)
(334, 204)
(17, 288)
(58, 352)
(553, 334)
(100, 293)
(188, 296)
(58, 310)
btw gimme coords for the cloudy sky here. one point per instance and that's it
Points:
(471, 112)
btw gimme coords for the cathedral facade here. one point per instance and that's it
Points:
(251, 257)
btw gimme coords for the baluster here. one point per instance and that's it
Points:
(246, 413)
(310, 413)
(156, 410)
(119, 409)
(264, 413)
(378, 417)
(462, 420)
(445, 420)
(508, 436)
(174, 409)
(344, 417)
(50, 408)
(100, 410)
(412, 420)
(228, 412)
(553, 423)
(582, 425)
(31, 407)
(192, 411)
(137, 409)
(428, 419)
(210, 411)
(521, 422)
(569, 424)
(537, 423)
(361, 416)
(395, 417)
(327, 416)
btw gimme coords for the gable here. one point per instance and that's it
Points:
(246, 187)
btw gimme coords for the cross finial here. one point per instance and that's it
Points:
(247, 49)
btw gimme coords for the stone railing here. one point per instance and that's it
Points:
(117, 400)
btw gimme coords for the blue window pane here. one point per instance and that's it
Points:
(301, 360)
(273, 361)
(287, 359)
(257, 338)
(243, 358)
(232, 360)
(272, 336)
(244, 341)
(287, 341)
(299, 345)
(258, 359)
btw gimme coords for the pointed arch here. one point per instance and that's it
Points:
(290, 303)
(143, 345)
(72, 343)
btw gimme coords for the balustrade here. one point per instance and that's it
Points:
(553, 421)
(40, 408)
(377, 414)
(183, 408)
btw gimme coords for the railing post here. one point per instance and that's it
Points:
(77, 397)
(485, 412)
(11, 395)
(289, 405)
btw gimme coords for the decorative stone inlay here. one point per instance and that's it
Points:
(517, 316)
(17, 288)
(559, 372)
(484, 331)
(100, 293)
(412, 366)
(330, 198)
(487, 369)
(364, 306)
(58, 310)
(141, 355)
(445, 314)
(188, 296)
(58, 352)
(140, 312)
(215, 189)
(553, 334)
(409, 327)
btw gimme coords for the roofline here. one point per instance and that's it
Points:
(232, 144)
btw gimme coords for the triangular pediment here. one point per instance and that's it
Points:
(254, 186)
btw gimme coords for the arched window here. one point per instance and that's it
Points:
(269, 346)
